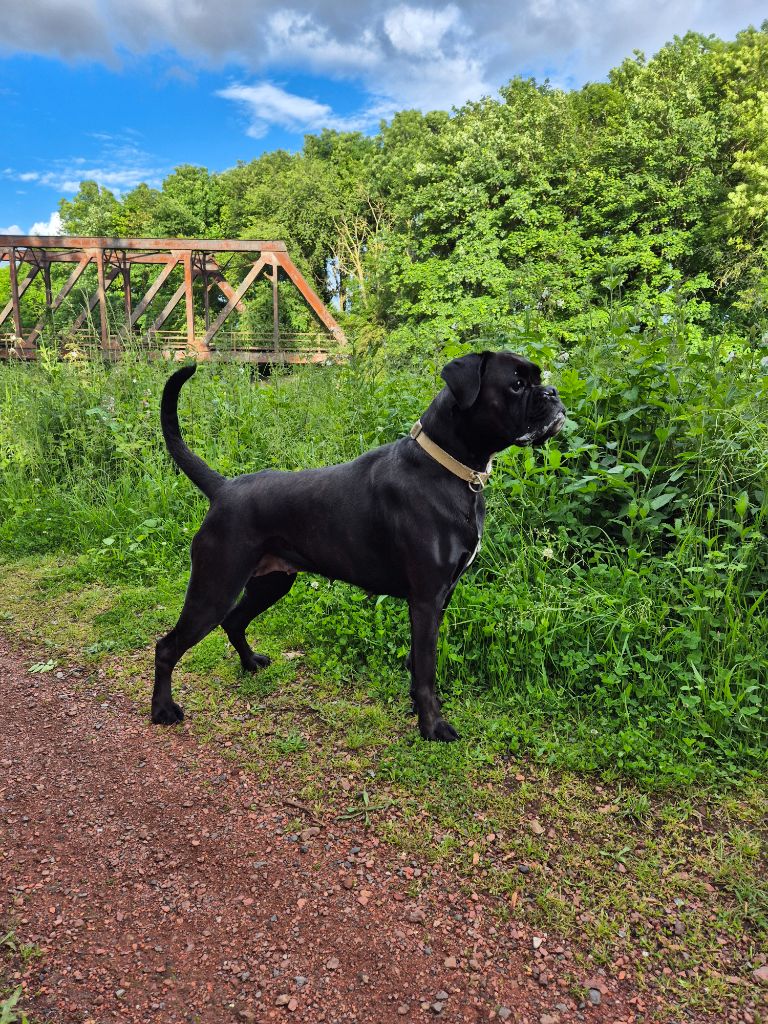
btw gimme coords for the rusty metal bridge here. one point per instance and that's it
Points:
(195, 266)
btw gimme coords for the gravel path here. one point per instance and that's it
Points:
(162, 885)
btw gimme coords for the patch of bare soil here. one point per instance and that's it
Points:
(164, 885)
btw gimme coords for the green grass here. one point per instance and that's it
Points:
(615, 620)
(22, 955)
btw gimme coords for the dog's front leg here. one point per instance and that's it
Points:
(425, 623)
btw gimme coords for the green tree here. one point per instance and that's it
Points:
(93, 211)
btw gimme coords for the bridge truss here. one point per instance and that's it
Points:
(200, 265)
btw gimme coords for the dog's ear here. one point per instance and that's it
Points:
(464, 376)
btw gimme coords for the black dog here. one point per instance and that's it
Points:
(404, 519)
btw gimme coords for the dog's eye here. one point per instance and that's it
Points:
(517, 387)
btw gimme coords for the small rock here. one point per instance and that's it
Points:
(442, 996)
(332, 964)
(417, 916)
(523, 869)
(348, 881)
(450, 961)
(597, 981)
(504, 1013)
(437, 1007)
(403, 1009)
(247, 1015)
(309, 833)
(283, 999)
(548, 1018)
(760, 975)
(537, 828)
(679, 928)
(537, 942)
(594, 996)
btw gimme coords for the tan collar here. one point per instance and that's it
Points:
(474, 477)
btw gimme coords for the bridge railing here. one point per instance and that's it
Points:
(235, 346)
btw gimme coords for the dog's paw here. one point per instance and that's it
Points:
(167, 714)
(439, 730)
(255, 662)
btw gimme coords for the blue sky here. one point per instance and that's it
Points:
(125, 90)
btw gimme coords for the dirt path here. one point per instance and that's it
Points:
(162, 886)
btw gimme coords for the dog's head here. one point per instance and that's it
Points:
(502, 401)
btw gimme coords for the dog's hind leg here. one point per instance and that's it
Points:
(261, 592)
(205, 606)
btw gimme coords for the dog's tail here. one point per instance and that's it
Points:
(201, 475)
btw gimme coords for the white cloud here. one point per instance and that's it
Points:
(424, 54)
(120, 165)
(417, 31)
(52, 226)
(297, 40)
(267, 105)
(13, 229)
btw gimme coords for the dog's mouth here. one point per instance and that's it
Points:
(543, 433)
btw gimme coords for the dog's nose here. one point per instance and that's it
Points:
(551, 393)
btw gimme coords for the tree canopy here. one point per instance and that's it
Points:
(652, 185)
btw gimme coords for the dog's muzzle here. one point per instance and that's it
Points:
(550, 423)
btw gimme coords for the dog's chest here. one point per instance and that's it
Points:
(479, 517)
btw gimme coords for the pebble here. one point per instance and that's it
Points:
(547, 1018)
(594, 996)
(416, 916)
(402, 1009)
(450, 961)
(537, 942)
(504, 1013)
(760, 975)
(442, 996)
(438, 1007)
